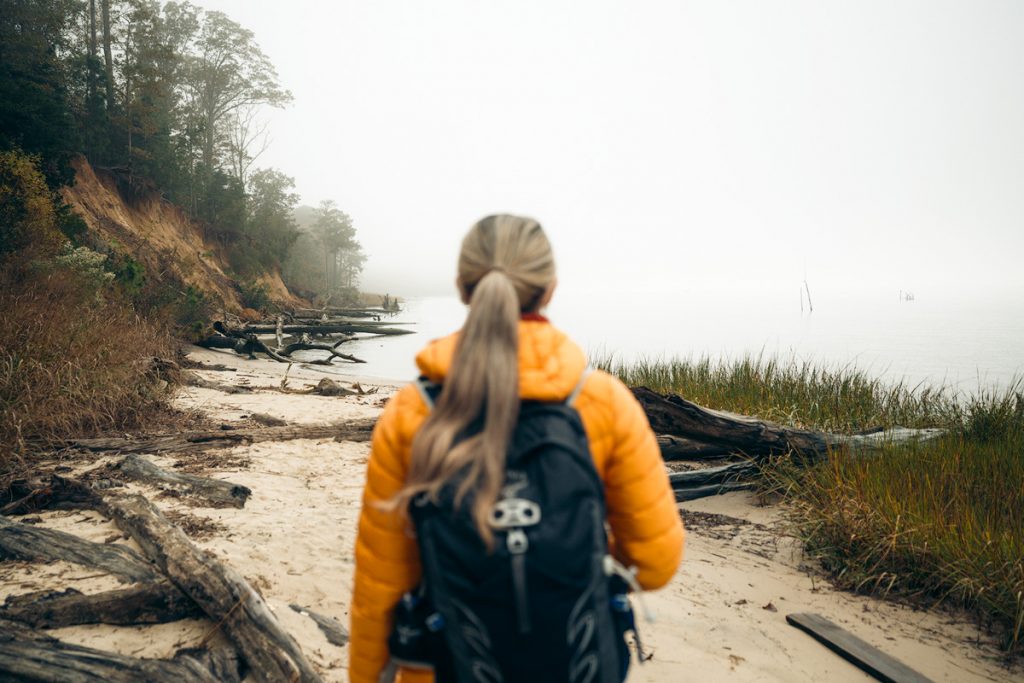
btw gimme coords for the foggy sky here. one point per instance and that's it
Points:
(665, 146)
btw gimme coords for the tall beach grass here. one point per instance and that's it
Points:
(941, 520)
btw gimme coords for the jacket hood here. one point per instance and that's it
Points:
(550, 364)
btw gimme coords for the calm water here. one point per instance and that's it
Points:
(967, 345)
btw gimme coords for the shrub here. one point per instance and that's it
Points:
(28, 217)
(254, 295)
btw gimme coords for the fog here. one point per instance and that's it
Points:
(666, 146)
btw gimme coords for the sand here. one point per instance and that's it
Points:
(721, 618)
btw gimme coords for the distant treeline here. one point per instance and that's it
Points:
(167, 97)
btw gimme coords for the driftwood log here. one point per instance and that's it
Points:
(149, 603)
(354, 430)
(683, 494)
(713, 475)
(669, 414)
(678, 448)
(37, 494)
(245, 342)
(314, 313)
(220, 591)
(331, 327)
(217, 492)
(312, 346)
(27, 655)
(688, 430)
(25, 542)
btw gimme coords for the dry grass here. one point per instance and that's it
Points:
(73, 360)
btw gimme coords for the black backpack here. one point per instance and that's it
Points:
(546, 604)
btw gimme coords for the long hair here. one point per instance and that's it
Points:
(505, 269)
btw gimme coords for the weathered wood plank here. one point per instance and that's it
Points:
(220, 591)
(218, 492)
(333, 629)
(25, 542)
(854, 650)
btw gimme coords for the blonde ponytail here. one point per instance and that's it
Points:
(505, 268)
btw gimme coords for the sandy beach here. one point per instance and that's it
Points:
(721, 618)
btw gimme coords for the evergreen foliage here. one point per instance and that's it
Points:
(168, 97)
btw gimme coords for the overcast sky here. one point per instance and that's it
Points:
(665, 146)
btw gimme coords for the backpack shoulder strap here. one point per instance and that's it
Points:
(429, 391)
(578, 389)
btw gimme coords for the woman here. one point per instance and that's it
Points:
(505, 355)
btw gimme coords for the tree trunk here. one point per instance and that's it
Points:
(92, 52)
(108, 58)
(220, 591)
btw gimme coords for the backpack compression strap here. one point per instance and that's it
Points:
(429, 390)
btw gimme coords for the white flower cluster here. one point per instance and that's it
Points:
(87, 262)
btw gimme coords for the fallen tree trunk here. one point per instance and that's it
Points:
(27, 655)
(329, 328)
(678, 448)
(310, 346)
(249, 345)
(219, 493)
(24, 542)
(678, 417)
(347, 312)
(675, 417)
(711, 475)
(683, 495)
(220, 591)
(150, 603)
(356, 430)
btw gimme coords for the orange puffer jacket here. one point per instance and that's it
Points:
(646, 529)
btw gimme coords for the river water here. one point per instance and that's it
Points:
(967, 345)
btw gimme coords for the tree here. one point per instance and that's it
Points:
(247, 140)
(35, 112)
(271, 222)
(229, 71)
(334, 229)
(27, 213)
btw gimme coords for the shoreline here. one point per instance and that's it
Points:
(722, 616)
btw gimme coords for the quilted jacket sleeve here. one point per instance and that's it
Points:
(387, 559)
(642, 511)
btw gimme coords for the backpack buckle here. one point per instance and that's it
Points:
(514, 512)
(517, 542)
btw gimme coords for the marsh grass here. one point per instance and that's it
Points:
(941, 521)
(793, 392)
